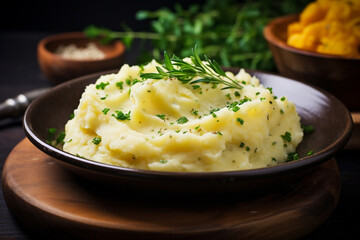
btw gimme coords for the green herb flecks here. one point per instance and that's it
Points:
(52, 139)
(240, 120)
(286, 137)
(96, 140)
(161, 116)
(119, 115)
(120, 85)
(105, 110)
(291, 157)
(308, 129)
(102, 85)
(182, 120)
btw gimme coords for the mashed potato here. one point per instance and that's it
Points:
(170, 126)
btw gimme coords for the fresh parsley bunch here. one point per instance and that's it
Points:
(230, 32)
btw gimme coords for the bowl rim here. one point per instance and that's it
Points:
(77, 35)
(269, 35)
(91, 165)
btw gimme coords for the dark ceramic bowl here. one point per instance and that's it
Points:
(336, 74)
(331, 119)
(58, 69)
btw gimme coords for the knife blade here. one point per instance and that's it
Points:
(16, 106)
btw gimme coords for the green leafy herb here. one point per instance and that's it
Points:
(163, 161)
(242, 144)
(182, 120)
(102, 85)
(105, 110)
(52, 139)
(291, 157)
(161, 116)
(308, 129)
(60, 138)
(286, 137)
(209, 71)
(282, 98)
(72, 115)
(240, 120)
(120, 85)
(229, 31)
(96, 140)
(194, 112)
(119, 115)
(311, 152)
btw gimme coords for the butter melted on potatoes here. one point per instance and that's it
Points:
(166, 125)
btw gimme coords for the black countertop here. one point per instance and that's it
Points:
(19, 72)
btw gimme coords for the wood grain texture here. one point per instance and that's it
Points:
(53, 202)
(354, 142)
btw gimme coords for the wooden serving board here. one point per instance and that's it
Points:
(53, 202)
(354, 142)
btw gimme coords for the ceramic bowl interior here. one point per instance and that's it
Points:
(336, 74)
(58, 69)
(330, 118)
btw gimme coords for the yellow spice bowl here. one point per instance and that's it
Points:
(336, 74)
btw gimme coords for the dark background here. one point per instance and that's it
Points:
(66, 15)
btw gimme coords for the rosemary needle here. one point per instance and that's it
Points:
(208, 71)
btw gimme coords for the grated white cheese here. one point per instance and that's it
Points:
(90, 52)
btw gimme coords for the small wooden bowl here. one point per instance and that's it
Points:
(58, 69)
(336, 74)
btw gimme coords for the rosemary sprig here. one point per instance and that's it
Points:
(209, 71)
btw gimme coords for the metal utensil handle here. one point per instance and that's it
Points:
(15, 107)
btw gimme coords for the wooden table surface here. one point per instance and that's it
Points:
(19, 72)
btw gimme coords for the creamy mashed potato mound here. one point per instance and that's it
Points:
(166, 125)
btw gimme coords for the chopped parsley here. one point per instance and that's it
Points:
(103, 98)
(242, 144)
(237, 94)
(128, 81)
(291, 157)
(119, 115)
(72, 115)
(257, 93)
(194, 112)
(262, 99)
(196, 87)
(282, 98)
(308, 129)
(311, 152)
(270, 89)
(105, 110)
(163, 161)
(161, 116)
(120, 85)
(286, 137)
(247, 149)
(182, 120)
(60, 138)
(102, 85)
(240, 120)
(96, 140)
